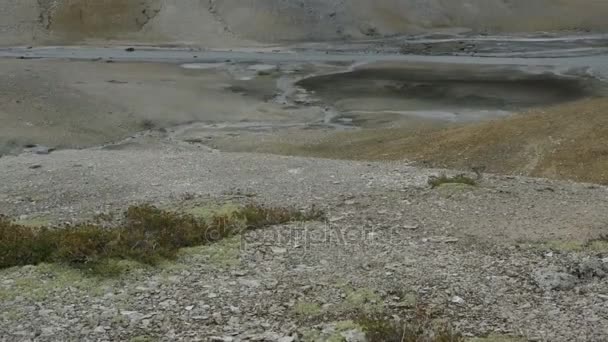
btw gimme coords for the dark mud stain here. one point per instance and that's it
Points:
(449, 88)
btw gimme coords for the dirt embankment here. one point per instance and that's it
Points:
(562, 142)
(241, 22)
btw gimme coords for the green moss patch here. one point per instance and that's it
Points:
(307, 309)
(362, 301)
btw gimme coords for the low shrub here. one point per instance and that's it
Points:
(436, 181)
(421, 329)
(145, 234)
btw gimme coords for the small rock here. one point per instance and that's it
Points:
(249, 282)
(41, 150)
(592, 268)
(217, 318)
(550, 279)
(278, 250)
(168, 303)
(271, 284)
(133, 316)
(234, 321)
(457, 300)
(353, 335)
(99, 330)
(221, 339)
(47, 331)
(270, 336)
(287, 339)
(443, 239)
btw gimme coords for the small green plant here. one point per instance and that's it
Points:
(436, 181)
(307, 309)
(599, 243)
(145, 234)
(362, 300)
(378, 328)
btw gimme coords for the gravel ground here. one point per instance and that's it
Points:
(498, 258)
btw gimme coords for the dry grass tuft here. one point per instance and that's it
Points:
(420, 329)
(436, 181)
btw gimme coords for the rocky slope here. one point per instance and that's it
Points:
(506, 257)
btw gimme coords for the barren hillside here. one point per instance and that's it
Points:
(236, 22)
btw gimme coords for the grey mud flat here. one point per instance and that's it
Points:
(104, 104)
